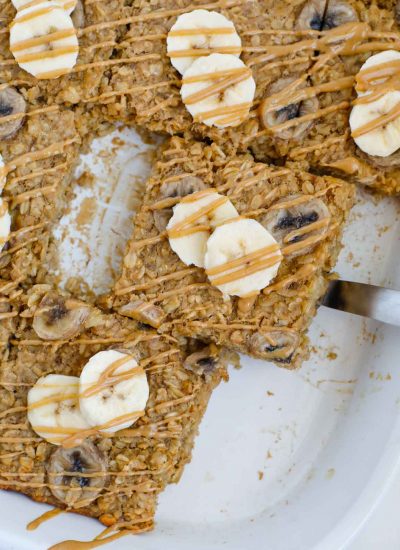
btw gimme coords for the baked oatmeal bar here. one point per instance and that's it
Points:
(303, 57)
(125, 471)
(148, 91)
(304, 212)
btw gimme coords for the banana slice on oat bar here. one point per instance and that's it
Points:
(77, 475)
(43, 40)
(375, 126)
(5, 223)
(113, 391)
(67, 5)
(193, 219)
(200, 33)
(218, 90)
(376, 70)
(375, 116)
(242, 257)
(53, 408)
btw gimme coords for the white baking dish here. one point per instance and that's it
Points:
(284, 460)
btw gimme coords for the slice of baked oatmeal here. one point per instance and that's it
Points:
(113, 477)
(147, 90)
(39, 154)
(305, 214)
(303, 57)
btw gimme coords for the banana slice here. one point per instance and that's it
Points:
(199, 33)
(113, 391)
(191, 223)
(375, 126)
(382, 58)
(5, 223)
(67, 5)
(218, 90)
(53, 408)
(242, 257)
(11, 103)
(43, 40)
(78, 475)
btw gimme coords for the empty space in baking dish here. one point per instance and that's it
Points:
(284, 460)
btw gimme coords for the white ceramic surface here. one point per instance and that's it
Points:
(284, 460)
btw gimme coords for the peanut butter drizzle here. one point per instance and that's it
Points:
(82, 545)
(311, 116)
(202, 30)
(377, 72)
(310, 241)
(46, 54)
(287, 97)
(23, 114)
(200, 52)
(350, 165)
(38, 173)
(306, 229)
(109, 377)
(258, 265)
(32, 525)
(155, 282)
(78, 437)
(193, 197)
(318, 146)
(238, 262)
(220, 86)
(378, 122)
(179, 229)
(31, 16)
(41, 40)
(239, 108)
(342, 40)
(163, 203)
(56, 398)
(50, 151)
(159, 14)
(215, 75)
(149, 240)
(303, 273)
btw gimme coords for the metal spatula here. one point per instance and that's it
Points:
(375, 302)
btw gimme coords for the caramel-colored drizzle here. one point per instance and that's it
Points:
(244, 266)
(109, 377)
(343, 40)
(77, 438)
(159, 14)
(155, 282)
(88, 545)
(224, 79)
(376, 81)
(350, 165)
(187, 226)
(32, 525)
(301, 274)
(200, 52)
